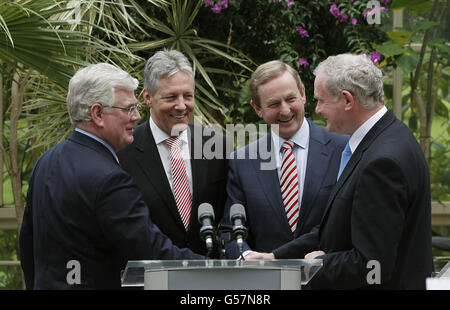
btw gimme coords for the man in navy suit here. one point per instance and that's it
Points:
(84, 216)
(376, 230)
(277, 214)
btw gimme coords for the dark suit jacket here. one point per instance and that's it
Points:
(142, 161)
(82, 206)
(258, 190)
(379, 210)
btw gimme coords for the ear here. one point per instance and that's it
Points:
(147, 98)
(257, 109)
(349, 100)
(303, 94)
(97, 115)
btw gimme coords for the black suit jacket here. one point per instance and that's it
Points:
(258, 190)
(142, 161)
(81, 206)
(380, 211)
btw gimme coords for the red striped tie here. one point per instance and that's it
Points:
(180, 181)
(289, 185)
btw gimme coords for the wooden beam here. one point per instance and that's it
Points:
(8, 219)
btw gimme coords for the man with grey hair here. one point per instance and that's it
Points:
(84, 216)
(167, 158)
(376, 230)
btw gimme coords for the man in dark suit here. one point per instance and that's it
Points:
(85, 217)
(376, 230)
(277, 214)
(169, 93)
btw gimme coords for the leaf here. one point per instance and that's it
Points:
(418, 6)
(407, 62)
(399, 36)
(390, 48)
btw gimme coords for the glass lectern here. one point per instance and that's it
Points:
(281, 274)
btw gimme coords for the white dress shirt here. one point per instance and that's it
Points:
(164, 152)
(361, 132)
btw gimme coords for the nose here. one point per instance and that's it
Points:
(318, 109)
(135, 116)
(180, 104)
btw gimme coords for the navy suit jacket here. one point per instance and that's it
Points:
(81, 206)
(209, 176)
(379, 211)
(258, 190)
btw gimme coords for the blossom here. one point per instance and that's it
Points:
(374, 57)
(334, 10)
(290, 3)
(386, 1)
(224, 4)
(354, 21)
(217, 8)
(302, 32)
(375, 10)
(343, 18)
(303, 62)
(207, 3)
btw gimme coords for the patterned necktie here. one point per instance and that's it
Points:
(289, 185)
(345, 157)
(180, 181)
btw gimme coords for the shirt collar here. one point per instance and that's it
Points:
(109, 147)
(361, 132)
(160, 136)
(300, 138)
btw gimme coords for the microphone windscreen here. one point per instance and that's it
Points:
(237, 209)
(205, 209)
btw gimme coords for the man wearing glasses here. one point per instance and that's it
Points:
(166, 158)
(84, 216)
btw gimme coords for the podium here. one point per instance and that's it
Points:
(281, 274)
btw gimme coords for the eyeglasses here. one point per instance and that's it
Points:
(130, 110)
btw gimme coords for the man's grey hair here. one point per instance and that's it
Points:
(269, 71)
(95, 83)
(356, 74)
(164, 64)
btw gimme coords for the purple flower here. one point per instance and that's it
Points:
(354, 21)
(343, 18)
(375, 57)
(303, 62)
(375, 10)
(302, 32)
(217, 8)
(207, 3)
(386, 1)
(290, 3)
(224, 4)
(334, 10)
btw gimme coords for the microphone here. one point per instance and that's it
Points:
(237, 219)
(206, 219)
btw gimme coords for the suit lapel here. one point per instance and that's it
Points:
(149, 160)
(315, 172)
(387, 119)
(268, 178)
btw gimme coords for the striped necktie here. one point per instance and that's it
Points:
(180, 181)
(289, 185)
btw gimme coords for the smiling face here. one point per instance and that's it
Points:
(118, 125)
(172, 105)
(330, 108)
(282, 103)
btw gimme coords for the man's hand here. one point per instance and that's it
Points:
(314, 254)
(257, 255)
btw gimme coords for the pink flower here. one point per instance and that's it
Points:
(303, 62)
(207, 3)
(374, 10)
(217, 8)
(302, 32)
(343, 18)
(224, 4)
(354, 21)
(334, 10)
(290, 3)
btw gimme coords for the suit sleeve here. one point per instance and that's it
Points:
(377, 222)
(234, 195)
(26, 252)
(124, 218)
